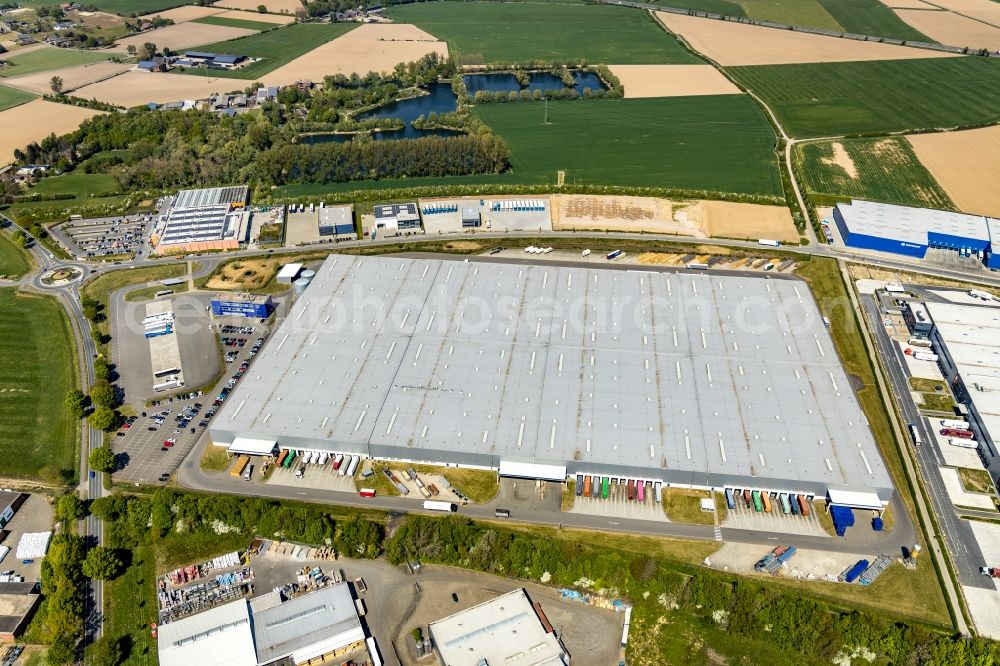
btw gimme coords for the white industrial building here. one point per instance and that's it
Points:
(397, 217)
(266, 630)
(967, 341)
(506, 630)
(702, 380)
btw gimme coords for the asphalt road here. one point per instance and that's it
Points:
(961, 542)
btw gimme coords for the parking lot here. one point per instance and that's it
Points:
(35, 515)
(617, 505)
(743, 517)
(196, 342)
(105, 237)
(146, 452)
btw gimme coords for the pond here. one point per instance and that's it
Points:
(536, 81)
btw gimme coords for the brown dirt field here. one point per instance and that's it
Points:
(738, 220)
(34, 121)
(135, 88)
(672, 80)
(906, 4)
(983, 10)
(277, 19)
(843, 160)
(950, 28)
(630, 214)
(244, 274)
(273, 6)
(185, 14)
(965, 164)
(95, 19)
(730, 43)
(73, 77)
(369, 47)
(183, 35)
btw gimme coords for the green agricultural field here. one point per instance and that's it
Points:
(9, 97)
(260, 26)
(720, 143)
(478, 32)
(871, 17)
(809, 13)
(46, 59)
(122, 7)
(834, 99)
(80, 185)
(724, 7)
(14, 261)
(39, 368)
(275, 47)
(883, 169)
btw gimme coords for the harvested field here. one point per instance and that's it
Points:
(136, 88)
(672, 80)
(34, 121)
(607, 213)
(724, 219)
(908, 4)
(965, 164)
(73, 77)
(277, 19)
(182, 36)
(729, 43)
(185, 13)
(369, 47)
(23, 63)
(273, 6)
(982, 10)
(952, 29)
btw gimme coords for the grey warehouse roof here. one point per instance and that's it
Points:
(328, 614)
(910, 224)
(471, 362)
(211, 196)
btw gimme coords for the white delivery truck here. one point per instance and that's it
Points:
(432, 505)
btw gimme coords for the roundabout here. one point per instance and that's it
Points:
(60, 277)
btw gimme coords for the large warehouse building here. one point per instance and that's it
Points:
(967, 341)
(912, 231)
(541, 372)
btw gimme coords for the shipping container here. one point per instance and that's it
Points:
(804, 505)
(367, 492)
(640, 494)
(579, 485)
(758, 505)
(346, 465)
(239, 466)
(729, 499)
(586, 486)
(659, 492)
(432, 505)
(631, 490)
(281, 458)
(354, 465)
(793, 501)
(746, 497)
(785, 508)
(766, 501)
(338, 461)
(604, 488)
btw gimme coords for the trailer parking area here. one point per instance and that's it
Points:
(820, 565)
(743, 517)
(617, 505)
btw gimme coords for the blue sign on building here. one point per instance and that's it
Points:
(247, 305)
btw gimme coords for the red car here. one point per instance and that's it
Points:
(169, 442)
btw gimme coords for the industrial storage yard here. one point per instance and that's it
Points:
(529, 411)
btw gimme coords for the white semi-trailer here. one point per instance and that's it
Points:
(432, 505)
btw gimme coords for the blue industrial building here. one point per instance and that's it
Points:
(243, 305)
(912, 231)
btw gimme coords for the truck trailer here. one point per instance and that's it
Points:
(238, 467)
(434, 505)
(955, 423)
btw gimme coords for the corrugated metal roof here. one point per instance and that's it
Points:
(553, 365)
(220, 636)
(328, 613)
(908, 224)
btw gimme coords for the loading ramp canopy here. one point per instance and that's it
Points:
(252, 447)
(855, 499)
(532, 471)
